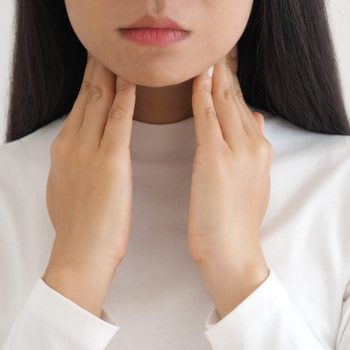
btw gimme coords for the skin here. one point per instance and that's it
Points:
(89, 190)
(230, 188)
(164, 87)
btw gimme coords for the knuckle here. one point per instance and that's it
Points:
(58, 146)
(116, 112)
(210, 112)
(263, 148)
(229, 93)
(95, 93)
(85, 87)
(206, 88)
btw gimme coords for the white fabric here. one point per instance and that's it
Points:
(157, 299)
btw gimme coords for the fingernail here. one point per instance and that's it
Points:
(210, 72)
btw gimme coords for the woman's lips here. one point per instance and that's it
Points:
(154, 36)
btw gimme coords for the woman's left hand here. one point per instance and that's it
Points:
(230, 187)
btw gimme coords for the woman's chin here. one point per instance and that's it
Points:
(155, 82)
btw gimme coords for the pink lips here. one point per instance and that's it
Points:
(150, 22)
(154, 36)
(150, 31)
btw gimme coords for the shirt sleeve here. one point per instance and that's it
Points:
(49, 320)
(343, 339)
(268, 320)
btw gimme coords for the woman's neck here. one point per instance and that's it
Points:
(164, 105)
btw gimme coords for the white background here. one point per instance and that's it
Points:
(339, 17)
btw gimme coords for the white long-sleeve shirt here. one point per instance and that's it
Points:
(158, 299)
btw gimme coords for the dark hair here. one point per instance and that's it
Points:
(287, 66)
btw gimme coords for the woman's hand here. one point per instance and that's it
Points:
(230, 187)
(89, 188)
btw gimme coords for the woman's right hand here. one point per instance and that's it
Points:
(89, 188)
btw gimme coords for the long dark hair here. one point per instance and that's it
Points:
(287, 66)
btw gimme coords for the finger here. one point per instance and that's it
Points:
(253, 123)
(248, 120)
(207, 128)
(227, 104)
(99, 103)
(117, 131)
(73, 121)
(261, 121)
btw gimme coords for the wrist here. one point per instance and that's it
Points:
(228, 285)
(83, 281)
(80, 257)
(85, 287)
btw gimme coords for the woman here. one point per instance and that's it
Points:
(237, 174)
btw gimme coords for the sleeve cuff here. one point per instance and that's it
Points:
(259, 304)
(63, 314)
